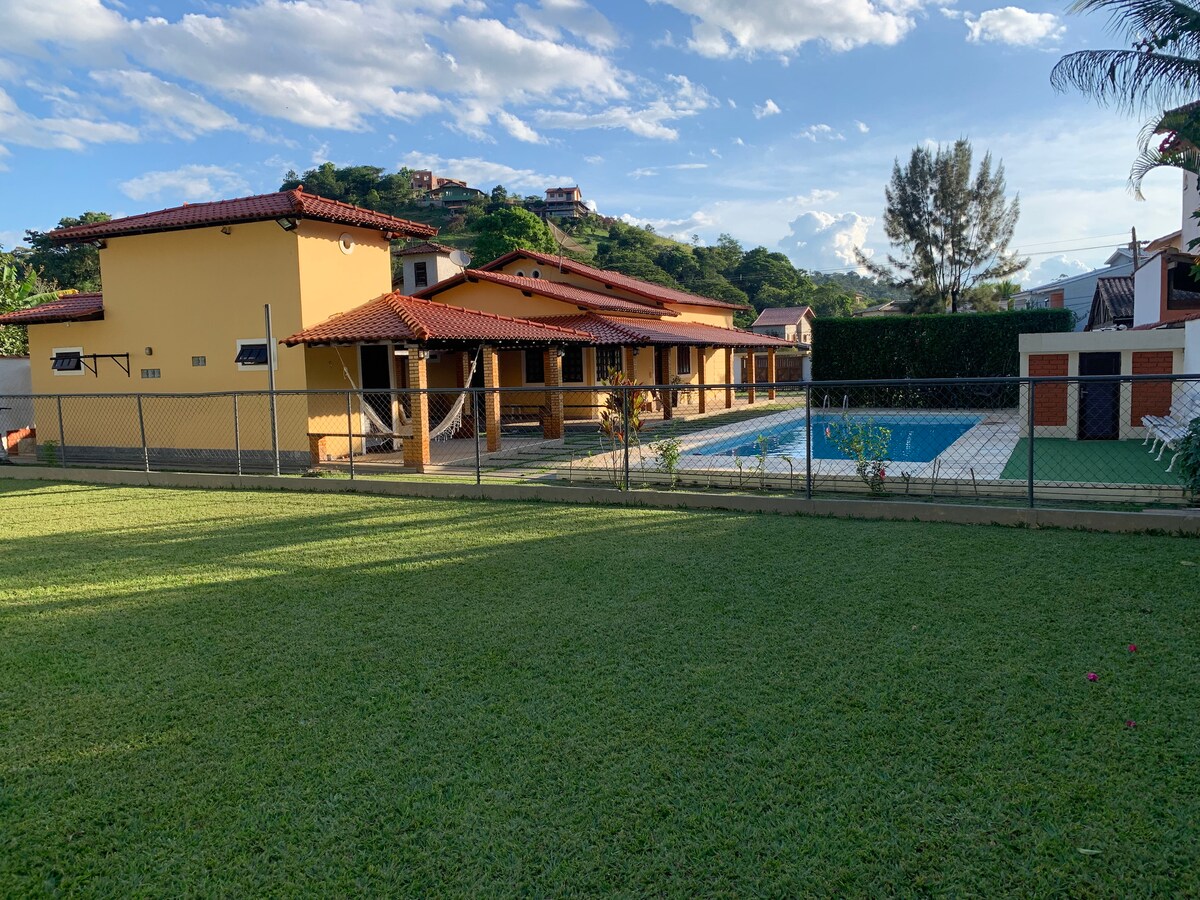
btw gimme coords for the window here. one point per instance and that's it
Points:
(421, 274)
(252, 355)
(151, 373)
(683, 360)
(572, 365)
(608, 359)
(346, 243)
(520, 273)
(67, 361)
(536, 273)
(535, 367)
(199, 360)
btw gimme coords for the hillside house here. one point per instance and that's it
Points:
(566, 203)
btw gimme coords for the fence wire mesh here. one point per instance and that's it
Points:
(1012, 440)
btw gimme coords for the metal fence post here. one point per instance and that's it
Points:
(237, 436)
(350, 433)
(142, 429)
(62, 435)
(1030, 427)
(808, 442)
(475, 431)
(625, 432)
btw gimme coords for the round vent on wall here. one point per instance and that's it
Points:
(346, 242)
(536, 273)
(520, 273)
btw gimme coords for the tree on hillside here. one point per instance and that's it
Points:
(72, 267)
(951, 228)
(19, 289)
(759, 268)
(367, 186)
(499, 194)
(504, 230)
(1157, 71)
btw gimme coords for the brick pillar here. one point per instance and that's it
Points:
(728, 378)
(771, 372)
(701, 359)
(552, 430)
(467, 429)
(751, 376)
(491, 400)
(416, 448)
(629, 363)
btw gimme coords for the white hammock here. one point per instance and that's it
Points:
(450, 425)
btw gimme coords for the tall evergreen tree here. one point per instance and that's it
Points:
(951, 228)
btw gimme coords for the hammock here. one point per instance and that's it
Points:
(376, 425)
(450, 425)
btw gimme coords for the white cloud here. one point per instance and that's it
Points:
(57, 132)
(552, 17)
(518, 129)
(654, 170)
(480, 172)
(769, 108)
(186, 184)
(862, 127)
(821, 132)
(593, 160)
(678, 229)
(681, 99)
(752, 27)
(183, 113)
(1013, 25)
(1051, 269)
(820, 241)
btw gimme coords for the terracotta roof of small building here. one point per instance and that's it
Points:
(68, 308)
(782, 315)
(294, 204)
(1176, 322)
(395, 317)
(554, 290)
(606, 277)
(423, 247)
(621, 330)
(1116, 293)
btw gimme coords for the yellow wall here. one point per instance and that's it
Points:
(332, 281)
(504, 301)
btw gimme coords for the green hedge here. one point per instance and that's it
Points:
(940, 346)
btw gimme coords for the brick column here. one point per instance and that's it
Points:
(491, 400)
(728, 378)
(701, 359)
(552, 430)
(751, 376)
(771, 372)
(416, 448)
(629, 363)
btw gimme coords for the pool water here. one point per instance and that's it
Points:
(914, 438)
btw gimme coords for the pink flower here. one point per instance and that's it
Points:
(1092, 676)
(883, 473)
(1129, 723)
(1133, 648)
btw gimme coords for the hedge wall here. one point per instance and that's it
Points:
(939, 346)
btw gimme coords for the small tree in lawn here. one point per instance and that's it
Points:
(624, 408)
(951, 229)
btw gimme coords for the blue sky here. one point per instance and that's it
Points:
(777, 122)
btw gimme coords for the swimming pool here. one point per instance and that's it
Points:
(916, 437)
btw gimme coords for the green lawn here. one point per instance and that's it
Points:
(223, 693)
(1103, 462)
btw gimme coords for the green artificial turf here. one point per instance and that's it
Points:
(248, 694)
(1093, 462)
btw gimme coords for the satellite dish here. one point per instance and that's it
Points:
(460, 258)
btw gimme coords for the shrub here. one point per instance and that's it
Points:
(1189, 459)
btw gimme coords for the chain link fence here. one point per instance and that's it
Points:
(1113, 440)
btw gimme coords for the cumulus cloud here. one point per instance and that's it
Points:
(752, 27)
(179, 111)
(1013, 25)
(478, 171)
(681, 99)
(821, 132)
(680, 229)
(550, 18)
(819, 240)
(861, 126)
(654, 170)
(1053, 268)
(518, 129)
(769, 108)
(186, 184)
(57, 132)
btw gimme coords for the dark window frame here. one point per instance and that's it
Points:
(572, 365)
(683, 360)
(420, 274)
(67, 362)
(252, 355)
(608, 359)
(538, 367)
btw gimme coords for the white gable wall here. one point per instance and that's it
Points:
(1147, 291)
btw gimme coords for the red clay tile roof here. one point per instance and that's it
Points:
(645, 289)
(293, 204)
(1177, 322)
(423, 247)
(394, 317)
(640, 332)
(68, 308)
(554, 290)
(782, 315)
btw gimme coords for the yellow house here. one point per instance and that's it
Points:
(178, 341)
(182, 312)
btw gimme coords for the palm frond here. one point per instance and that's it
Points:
(1151, 158)
(1155, 24)
(1129, 79)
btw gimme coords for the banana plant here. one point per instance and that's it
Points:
(19, 290)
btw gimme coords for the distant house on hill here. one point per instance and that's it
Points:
(792, 323)
(566, 202)
(1077, 292)
(452, 196)
(423, 180)
(424, 264)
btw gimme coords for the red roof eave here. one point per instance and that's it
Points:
(68, 308)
